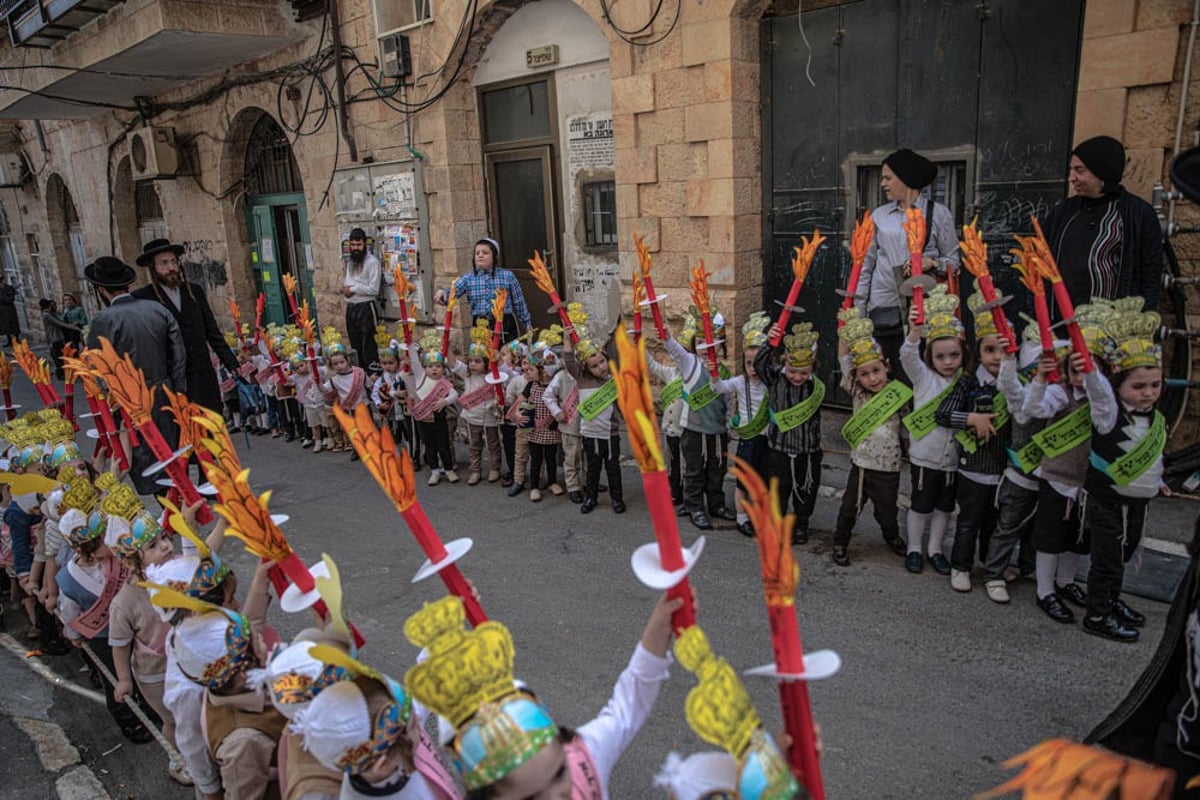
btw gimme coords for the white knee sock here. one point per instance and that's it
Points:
(915, 529)
(937, 531)
(1068, 568)
(1045, 566)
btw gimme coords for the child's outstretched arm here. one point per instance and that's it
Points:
(1010, 385)
(766, 363)
(1101, 397)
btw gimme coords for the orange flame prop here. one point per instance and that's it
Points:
(699, 285)
(451, 300)
(185, 412)
(645, 262)
(644, 265)
(108, 440)
(864, 234)
(1026, 263)
(289, 283)
(36, 369)
(1048, 267)
(541, 275)
(914, 229)
(69, 352)
(304, 321)
(126, 383)
(639, 290)
(216, 441)
(77, 367)
(773, 532)
(6, 372)
(499, 301)
(400, 283)
(1060, 769)
(975, 261)
(802, 258)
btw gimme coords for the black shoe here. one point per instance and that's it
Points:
(840, 556)
(1127, 615)
(725, 514)
(59, 647)
(1072, 594)
(1055, 609)
(898, 545)
(516, 489)
(1109, 627)
(701, 521)
(746, 529)
(291, 437)
(602, 488)
(681, 510)
(914, 563)
(506, 481)
(354, 456)
(800, 536)
(137, 733)
(618, 506)
(575, 497)
(588, 506)
(939, 564)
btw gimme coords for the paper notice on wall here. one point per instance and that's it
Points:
(395, 195)
(590, 141)
(268, 251)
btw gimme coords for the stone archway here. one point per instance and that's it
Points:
(66, 235)
(125, 212)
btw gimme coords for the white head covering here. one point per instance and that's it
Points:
(71, 519)
(175, 573)
(116, 527)
(202, 650)
(293, 668)
(692, 777)
(335, 722)
(52, 504)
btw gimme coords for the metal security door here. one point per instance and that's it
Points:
(265, 258)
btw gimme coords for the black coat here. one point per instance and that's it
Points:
(200, 332)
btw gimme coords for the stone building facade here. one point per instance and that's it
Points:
(563, 125)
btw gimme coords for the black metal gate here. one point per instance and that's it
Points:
(984, 88)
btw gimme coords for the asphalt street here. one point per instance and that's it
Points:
(937, 688)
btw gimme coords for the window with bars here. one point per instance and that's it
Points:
(270, 166)
(150, 221)
(949, 189)
(600, 214)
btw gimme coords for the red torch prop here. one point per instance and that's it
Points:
(663, 564)
(918, 282)
(1025, 262)
(38, 371)
(700, 299)
(6, 379)
(792, 668)
(127, 386)
(451, 302)
(639, 295)
(394, 474)
(975, 260)
(70, 351)
(236, 314)
(308, 330)
(860, 243)
(108, 438)
(403, 288)
(541, 276)
(802, 259)
(260, 305)
(495, 378)
(1048, 267)
(653, 299)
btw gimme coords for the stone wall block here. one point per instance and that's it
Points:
(665, 126)
(705, 41)
(634, 94)
(679, 162)
(707, 121)
(637, 164)
(710, 197)
(1108, 18)
(1129, 59)
(1100, 112)
(663, 199)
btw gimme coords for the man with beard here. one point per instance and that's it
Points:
(151, 337)
(188, 304)
(361, 289)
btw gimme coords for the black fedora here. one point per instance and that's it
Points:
(110, 273)
(156, 246)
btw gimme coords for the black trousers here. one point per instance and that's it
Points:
(1015, 515)
(976, 521)
(1116, 530)
(675, 469)
(435, 434)
(604, 453)
(1058, 527)
(542, 456)
(360, 327)
(121, 713)
(702, 472)
(799, 479)
(508, 440)
(933, 489)
(882, 489)
(889, 345)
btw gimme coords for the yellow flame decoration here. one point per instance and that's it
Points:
(974, 250)
(305, 322)
(499, 301)
(289, 283)
(126, 383)
(77, 367)
(1028, 265)
(377, 449)
(914, 227)
(773, 533)
(36, 369)
(699, 284)
(186, 414)
(639, 291)
(451, 300)
(6, 372)
(802, 257)
(643, 256)
(541, 275)
(217, 441)
(400, 283)
(860, 240)
(1046, 264)
(636, 402)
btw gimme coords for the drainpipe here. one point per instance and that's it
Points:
(1183, 96)
(340, 78)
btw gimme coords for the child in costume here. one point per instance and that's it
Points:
(507, 744)
(291, 419)
(312, 401)
(984, 434)
(932, 452)
(794, 395)
(703, 424)
(387, 390)
(599, 421)
(1065, 412)
(1125, 467)
(670, 400)
(479, 410)
(562, 397)
(512, 355)
(22, 515)
(520, 413)
(543, 434)
(873, 433)
(345, 386)
(429, 395)
(751, 413)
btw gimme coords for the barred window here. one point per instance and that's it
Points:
(600, 214)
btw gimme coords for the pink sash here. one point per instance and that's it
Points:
(424, 407)
(431, 767)
(95, 619)
(476, 396)
(570, 406)
(354, 395)
(158, 646)
(585, 778)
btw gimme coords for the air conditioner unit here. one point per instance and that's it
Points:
(152, 153)
(12, 169)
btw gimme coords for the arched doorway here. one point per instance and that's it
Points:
(66, 233)
(276, 218)
(12, 269)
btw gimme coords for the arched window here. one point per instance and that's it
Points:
(150, 222)
(270, 166)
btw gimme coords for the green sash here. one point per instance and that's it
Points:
(921, 421)
(1027, 458)
(671, 392)
(756, 425)
(1131, 465)
(701, 397)
(1069, 432)
(967, 438)
(886, 402)
(800, 413)
(598, 400)
(723, 372)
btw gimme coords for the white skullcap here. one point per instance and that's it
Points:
(116, 527)
(292, 668)
(199, 642)
(692, 777)
(53, 504)
(175, 573)
(71, 519)
(335, 722)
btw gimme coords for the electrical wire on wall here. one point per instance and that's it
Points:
(627, 36)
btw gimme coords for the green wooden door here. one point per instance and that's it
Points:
(265, 260)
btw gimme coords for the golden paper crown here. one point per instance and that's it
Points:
(549, 337)
(754, 331)
(105, 481)
(859, 335)
(121, 501)
(801, 345)
(693, 325)
(383, 338)
(57, 431)
(231, 338)
(718, 708)
(1131, 335)
(330, 335)
(81, 495)
(938, 300)
(1093, 317)
(290, 347)
(481, 340)
(577, 315)
(465, 669)
(585, 349)
(984, 324)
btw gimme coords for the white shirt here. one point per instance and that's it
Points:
(364, 284)
(750, 394)
(937, 449)
(185, 700)
(1047, 401)
(1015, 393)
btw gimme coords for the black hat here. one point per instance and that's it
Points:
(1185, 174)
(156, 246)
(1104, 156)
(913, 169)
(110, 273)
(358, 235)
